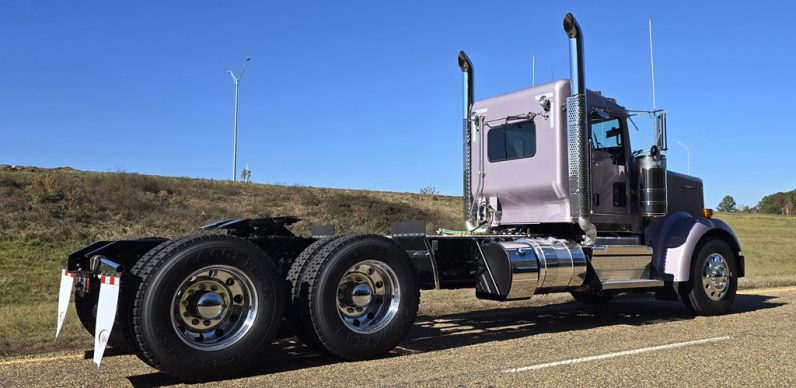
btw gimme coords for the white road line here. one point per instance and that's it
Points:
(760, 291)
(617, 354)
(39, 360)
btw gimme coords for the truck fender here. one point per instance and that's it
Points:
(676, 237)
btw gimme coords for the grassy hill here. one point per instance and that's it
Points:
(47, 213)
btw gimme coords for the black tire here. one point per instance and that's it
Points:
(317, 302)
(593, 297)
(294, 285)
(122, 337)
(159, 342)
(704, 299)
(130, 285)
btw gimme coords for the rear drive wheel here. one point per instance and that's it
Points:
(361, 296)
(297, 269)
(714, 280)
(207, 307)
(601, 297)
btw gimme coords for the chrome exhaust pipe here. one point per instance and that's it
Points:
(575, 34)
(102, 265)
(579, 152)
(468, 73)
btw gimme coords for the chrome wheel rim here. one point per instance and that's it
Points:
(716, 276)
(368, 296)
(214, 307)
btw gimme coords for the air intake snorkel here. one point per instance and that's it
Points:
(579, 152)
(467, 79)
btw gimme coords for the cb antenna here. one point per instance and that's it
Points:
(652, 65)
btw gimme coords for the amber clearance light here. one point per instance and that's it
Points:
(708, 213)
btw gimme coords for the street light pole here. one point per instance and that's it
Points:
(236, 79)
(688, 151)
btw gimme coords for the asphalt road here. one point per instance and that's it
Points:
(632, 341)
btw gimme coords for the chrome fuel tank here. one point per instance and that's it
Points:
(518, 269)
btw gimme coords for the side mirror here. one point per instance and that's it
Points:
(660, 131)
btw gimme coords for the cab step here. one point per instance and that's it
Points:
(635, 283)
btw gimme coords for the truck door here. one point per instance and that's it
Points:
(610, 183)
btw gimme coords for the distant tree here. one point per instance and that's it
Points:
(429, 190)
(727, 205)
(773, 204)
(744, 209)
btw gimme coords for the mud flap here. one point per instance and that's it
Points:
(106, 313)
(64, 295)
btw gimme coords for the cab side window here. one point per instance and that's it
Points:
(513, 141)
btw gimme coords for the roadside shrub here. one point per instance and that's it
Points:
(9, 181)
(45, 189)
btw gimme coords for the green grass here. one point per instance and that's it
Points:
(46, 214)
(768, 242)
(769, 245)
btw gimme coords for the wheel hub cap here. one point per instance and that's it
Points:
(368, 296)
(716, 277)
(214, 307)
(210, 305)
(361, 295)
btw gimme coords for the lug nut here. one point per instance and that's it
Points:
(206, 322)
(186, 314)
(195, 322)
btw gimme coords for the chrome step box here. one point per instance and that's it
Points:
(623, 266)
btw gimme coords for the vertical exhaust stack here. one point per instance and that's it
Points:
(579, 152)
(467, 76)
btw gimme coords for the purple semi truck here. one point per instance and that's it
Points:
(555, 200)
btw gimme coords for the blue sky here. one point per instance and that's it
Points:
(368, 94)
